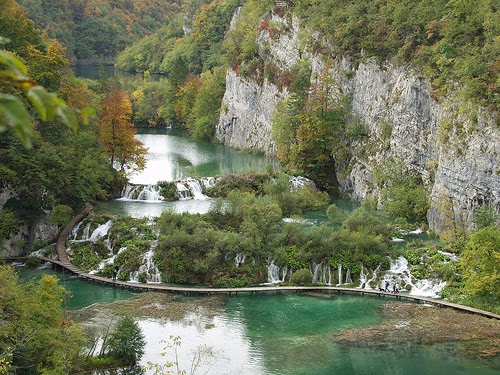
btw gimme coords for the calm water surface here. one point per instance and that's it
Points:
(285, 334)
(83, 293)
(173, 156)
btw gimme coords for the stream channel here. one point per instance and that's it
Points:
(256, 334)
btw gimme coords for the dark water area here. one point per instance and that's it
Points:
(97, 72)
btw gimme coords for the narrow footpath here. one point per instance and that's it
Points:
(64, 264)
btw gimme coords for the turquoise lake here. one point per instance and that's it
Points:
(280, 334)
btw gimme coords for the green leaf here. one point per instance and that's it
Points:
(13, 63)
(43, 101)
(68, 117)
(86, 114)
(13, 110)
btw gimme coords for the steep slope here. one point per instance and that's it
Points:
(451, 146)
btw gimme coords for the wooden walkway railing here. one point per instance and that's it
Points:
(66, 265)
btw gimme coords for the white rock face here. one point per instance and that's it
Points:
(457, 156)
(246, 114)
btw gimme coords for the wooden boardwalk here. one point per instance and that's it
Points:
(64, 264)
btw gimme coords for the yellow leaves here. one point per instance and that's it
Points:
(138, 95)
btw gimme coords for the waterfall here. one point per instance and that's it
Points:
(321, 273)
(340, 274)
(183, 191)
(100, 231)
(150, 193)
(348, 279)
(110, 260)
(363, 277)
(148, 269)
(193, 188)
(86, 233)
(284, 273)
(239, 259)
(74, 231)
(373, 278)
(186, 189)
(400, 275)
(299, 182)
(196, 189)
(273, 273)
(84, 236)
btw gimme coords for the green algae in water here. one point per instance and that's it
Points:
(83, 293)
(283, 334)
(293, 334)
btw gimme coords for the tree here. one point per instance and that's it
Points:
(127, 341)
(35, 332)
(117, 133)
(485, 216)
(481, 264)
(13, 111)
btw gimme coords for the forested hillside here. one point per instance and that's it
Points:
(56, 169)
(393, 103)
(95, 31)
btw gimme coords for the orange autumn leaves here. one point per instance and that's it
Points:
(117, 133)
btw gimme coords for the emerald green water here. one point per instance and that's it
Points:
(173, 156)
(83, 293)
(279, 334)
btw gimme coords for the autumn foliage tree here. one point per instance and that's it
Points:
(117, 133)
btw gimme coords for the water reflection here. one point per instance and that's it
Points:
(230, 351)
(172, 156)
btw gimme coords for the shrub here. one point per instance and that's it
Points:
(127, 341)
(168, 190)
(301, 277)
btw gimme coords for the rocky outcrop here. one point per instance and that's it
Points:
(246, 114)
(457, 156)
(17, 242)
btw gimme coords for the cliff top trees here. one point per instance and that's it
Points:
(116, 132)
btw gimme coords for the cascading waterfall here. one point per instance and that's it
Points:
(340, 274)
(85, 233)
(74, 231)
(186, 189)
(373, 278)
(239, 259)
(298, 182)
(149, 193)
(321, 273)
(363, 277)
(273, 273)
(101, 231)
(148, 269)
(348, 279)
(110, 260)
(190, 188)
(400, 275)
(98, 233)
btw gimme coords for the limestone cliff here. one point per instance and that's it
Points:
(452, 145)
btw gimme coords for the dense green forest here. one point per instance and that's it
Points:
(53, 169)
(96, 31)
